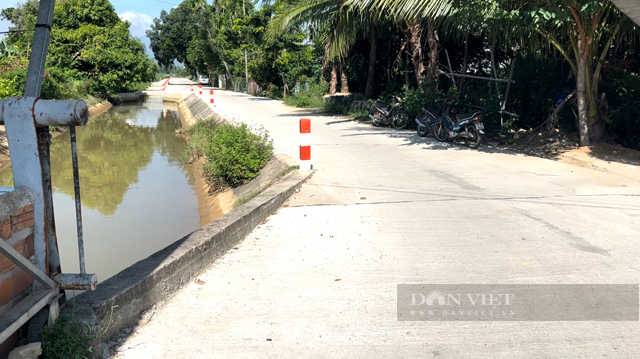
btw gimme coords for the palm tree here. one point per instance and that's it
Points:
(340, 25)
(584, 32)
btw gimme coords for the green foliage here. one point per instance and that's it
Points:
(413, 100)
(236, 154)
(625, 102)
(311, 98)
(336, 108)
(66, 339)
(360, 115)
(213, 39)
(91, 50)
(272, 91)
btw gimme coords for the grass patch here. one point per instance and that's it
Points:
(198, 139)
(360, 115)
(311, 98)
(336, 108)
(66, 339)
(305, 100)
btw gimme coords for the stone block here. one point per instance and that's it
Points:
(29, 351)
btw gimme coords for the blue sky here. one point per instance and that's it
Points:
(140, 13)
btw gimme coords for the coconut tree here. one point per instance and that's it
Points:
(339, 26)
(584, 32)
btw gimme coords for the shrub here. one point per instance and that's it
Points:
(236, 154)
(336, 108)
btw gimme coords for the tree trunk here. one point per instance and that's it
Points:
(344, 80)
(368, 91)
(596, 127)
(581, 95)
(432, 70)
(465, 64)
(334, 79)
(415, 38)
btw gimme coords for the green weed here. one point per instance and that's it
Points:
(66, 339)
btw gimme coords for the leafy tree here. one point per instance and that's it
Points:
(89, 45)
(584, 32)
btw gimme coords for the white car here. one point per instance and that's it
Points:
(203, 80)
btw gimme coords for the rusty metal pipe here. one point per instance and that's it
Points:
(76, 189)
(50, 112)
(74, 281)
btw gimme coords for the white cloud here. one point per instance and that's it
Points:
(140, 23)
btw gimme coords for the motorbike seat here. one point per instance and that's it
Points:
(382, 107)
(466, 116)
(433, 110)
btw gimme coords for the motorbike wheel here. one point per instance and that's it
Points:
(440, 132)
(400, 120)
(423, 131)
(375, 122)
(476, 137)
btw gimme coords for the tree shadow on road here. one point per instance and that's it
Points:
(411, 138)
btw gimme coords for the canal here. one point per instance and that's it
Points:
(137, 195)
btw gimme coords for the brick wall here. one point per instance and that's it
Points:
(16, 228)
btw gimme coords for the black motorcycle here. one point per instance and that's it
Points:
(452, 126)
(385, 114)
(427, 119)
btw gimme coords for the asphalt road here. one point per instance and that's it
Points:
(386, 207)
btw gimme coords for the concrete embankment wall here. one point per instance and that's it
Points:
(212, 207)
(191, 108)
(98, 109)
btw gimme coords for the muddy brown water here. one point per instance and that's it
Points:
(137, 195)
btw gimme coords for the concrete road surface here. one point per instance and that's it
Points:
(386, 207)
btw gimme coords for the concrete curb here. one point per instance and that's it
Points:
(119, 302)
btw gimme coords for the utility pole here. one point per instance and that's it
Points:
(246, 62)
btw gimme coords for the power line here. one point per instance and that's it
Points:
(12, 31)
(164, 2)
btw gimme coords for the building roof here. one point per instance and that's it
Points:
(629, 7)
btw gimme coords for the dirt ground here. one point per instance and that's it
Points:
(564, 147)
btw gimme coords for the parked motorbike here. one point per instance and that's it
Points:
(393, 115)
(427, 119)
(452, 126)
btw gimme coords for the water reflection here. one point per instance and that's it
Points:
(137, 197)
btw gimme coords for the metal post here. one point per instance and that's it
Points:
(76, 188)
(33, 87)
(246, 70)
(28, 169)
(246, 63)
(450, 69)
(506, 94)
